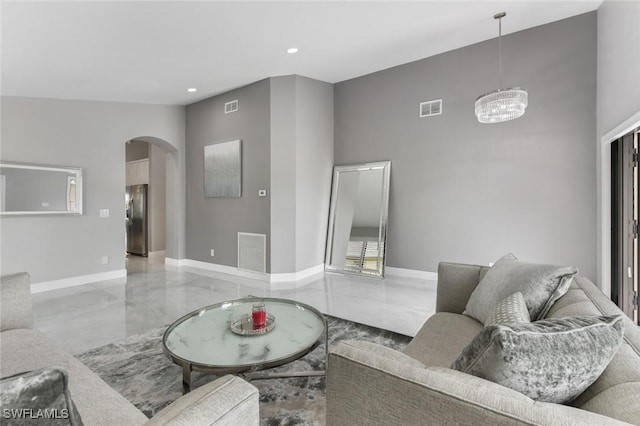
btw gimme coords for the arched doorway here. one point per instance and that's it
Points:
(147, 222)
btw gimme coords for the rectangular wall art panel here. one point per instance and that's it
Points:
(223, 169)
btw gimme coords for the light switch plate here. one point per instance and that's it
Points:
(104, 212)
(262, 193)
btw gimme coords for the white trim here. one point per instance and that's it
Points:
(157, 254)
(411, 273)
(271, 278)
(622, 129)
(79, 280)
(604, 225)
(295, 276)
(221, 268)
(173, 262)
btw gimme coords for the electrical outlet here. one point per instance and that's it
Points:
(105, 260)
(104, 212)
(212, 253)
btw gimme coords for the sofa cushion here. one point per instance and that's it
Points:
(541, 285)
(511, 309)
(227, 401)
(615, 393)
(15, 302)
(96, 401)
(442, 338)
(39, 395)
(551, 360)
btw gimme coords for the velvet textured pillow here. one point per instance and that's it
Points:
(552, 360)
(541, 285)
(511, 309)
(38, 397)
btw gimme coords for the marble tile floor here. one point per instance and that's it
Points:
(154, 295)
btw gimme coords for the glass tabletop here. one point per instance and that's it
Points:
(204, 337)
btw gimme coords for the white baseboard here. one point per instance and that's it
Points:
(216, 268)
(173, 262)
(79, 280)
(295, 276)
(411, 273)
(271, 278)
(157, 254)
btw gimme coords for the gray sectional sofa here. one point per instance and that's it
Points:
(368, 384)
(228, 400)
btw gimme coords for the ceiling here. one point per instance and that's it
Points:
(151, 52)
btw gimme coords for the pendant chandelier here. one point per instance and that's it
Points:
(502, 104)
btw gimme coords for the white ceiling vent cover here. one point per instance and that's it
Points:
(431, 108)
(252, 252)
(231, 106)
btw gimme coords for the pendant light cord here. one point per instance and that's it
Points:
(500, 52)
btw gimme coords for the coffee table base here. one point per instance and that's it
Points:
(186, 379)
(260, 375)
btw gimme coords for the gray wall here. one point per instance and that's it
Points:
(618, 63)
(214, 223)
(90, 135)
(468, 192)
(301, 166)
(283, 174)
(618, 100)
(157, 198)
(314, 166)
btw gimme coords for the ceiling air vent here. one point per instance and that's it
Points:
(231, 106)
(431, 108)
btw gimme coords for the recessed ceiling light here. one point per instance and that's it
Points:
(192, 89)
(292, 50)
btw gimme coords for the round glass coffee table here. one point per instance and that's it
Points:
(203, 340)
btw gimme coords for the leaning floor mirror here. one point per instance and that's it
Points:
(357, 234)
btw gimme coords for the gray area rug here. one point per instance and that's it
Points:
(138, 369)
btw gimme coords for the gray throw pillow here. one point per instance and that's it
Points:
(552, 360)
(541, 285)
(511, 309)
(38, 397)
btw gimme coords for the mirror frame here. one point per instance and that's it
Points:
(76, 171)
(384, 215)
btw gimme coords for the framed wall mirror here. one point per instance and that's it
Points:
(29, 189)
(357, 233)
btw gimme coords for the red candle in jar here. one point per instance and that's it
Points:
(259, 315)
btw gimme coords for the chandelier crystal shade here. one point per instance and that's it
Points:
(503, 104)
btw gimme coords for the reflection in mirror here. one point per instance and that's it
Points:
(27, 189)
(356, 240)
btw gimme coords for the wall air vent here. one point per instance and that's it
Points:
(231, 106)
(431, 108)
(252, 252)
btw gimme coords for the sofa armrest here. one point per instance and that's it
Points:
(228, 400)
(456, 282)
(367, 387)
(16, 309)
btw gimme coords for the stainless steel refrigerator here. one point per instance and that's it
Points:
(136, 219)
